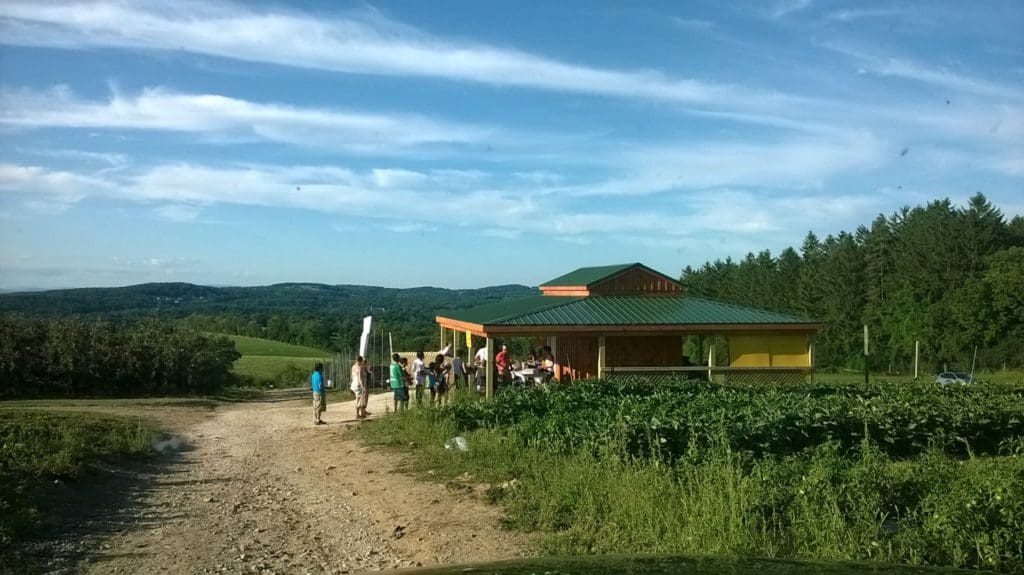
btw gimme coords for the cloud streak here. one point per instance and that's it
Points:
(157, 109)
(348, 44)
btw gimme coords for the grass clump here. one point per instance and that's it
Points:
(604, 468)
(37, 446)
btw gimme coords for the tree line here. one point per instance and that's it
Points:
(326, 317)
(949, 277)
(76, 357)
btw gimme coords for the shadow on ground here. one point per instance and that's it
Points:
(76, 516)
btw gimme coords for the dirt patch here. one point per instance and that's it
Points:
(256, 488)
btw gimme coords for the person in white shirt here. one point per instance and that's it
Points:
(480, 361)
(419, 374)
(359, 387)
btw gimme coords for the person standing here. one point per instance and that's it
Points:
(398, 387)
(480, 361)
(504, 364)
(319, 393)
(360, 387)
(458, 372)
(419, 373)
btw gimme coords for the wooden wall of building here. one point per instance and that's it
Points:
(636, 282)
(575, 357)
(644, 351)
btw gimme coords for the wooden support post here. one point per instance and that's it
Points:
(810, 358)
(489, 393)
(601, 355)
(442, 338)
(711, 362)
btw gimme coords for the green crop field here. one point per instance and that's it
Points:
(892, 472)
(257, 346)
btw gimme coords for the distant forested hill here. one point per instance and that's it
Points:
(315, 315)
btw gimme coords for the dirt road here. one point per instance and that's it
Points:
(255, 488)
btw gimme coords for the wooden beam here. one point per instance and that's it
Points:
(490, 368)
(681, 329)
(601, 355)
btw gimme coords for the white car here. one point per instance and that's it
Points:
(951, 377)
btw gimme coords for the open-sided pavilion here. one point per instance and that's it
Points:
(601, 321)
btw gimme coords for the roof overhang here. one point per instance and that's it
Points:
(651, 329)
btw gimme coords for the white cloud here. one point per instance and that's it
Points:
(178, 213)
(347, 44)
(411, 227)
(798, 163)
(163, 110)
(780, 8)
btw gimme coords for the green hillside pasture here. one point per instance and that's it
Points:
(272, 370)
(267, 347)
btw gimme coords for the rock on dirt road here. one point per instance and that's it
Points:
(255, 488)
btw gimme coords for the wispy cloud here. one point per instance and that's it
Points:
(909, 69)
(795, 163)
(780, 8)
(349, 43)
(855, 14)
(182, 190)
(163, 110)
(178, 213)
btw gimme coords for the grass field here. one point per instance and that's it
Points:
(257, 346)
(266, 363)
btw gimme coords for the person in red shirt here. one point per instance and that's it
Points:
(504, 364)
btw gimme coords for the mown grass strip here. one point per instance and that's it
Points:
(258, 346)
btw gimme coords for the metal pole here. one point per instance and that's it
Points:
(865, 354)
(601, 355)
(974, 361)
(917, 356)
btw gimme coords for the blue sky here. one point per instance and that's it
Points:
(464, 144)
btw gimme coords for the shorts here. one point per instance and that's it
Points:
(401, 393)
(319, 403)
(441, 388)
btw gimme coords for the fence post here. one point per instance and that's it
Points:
(917, 357)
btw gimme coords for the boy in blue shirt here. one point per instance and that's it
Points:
(319, 393)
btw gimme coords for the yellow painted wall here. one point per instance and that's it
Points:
(774, 350)
(749, 351)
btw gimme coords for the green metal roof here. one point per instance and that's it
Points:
(587, 276)
(618, 311)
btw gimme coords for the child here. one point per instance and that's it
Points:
(432, 381)
(441, 387)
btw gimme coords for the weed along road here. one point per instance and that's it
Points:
(256, 488)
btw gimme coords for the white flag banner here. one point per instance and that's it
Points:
(365, 337)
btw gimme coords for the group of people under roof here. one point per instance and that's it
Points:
(438, 377)
(441, 377)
